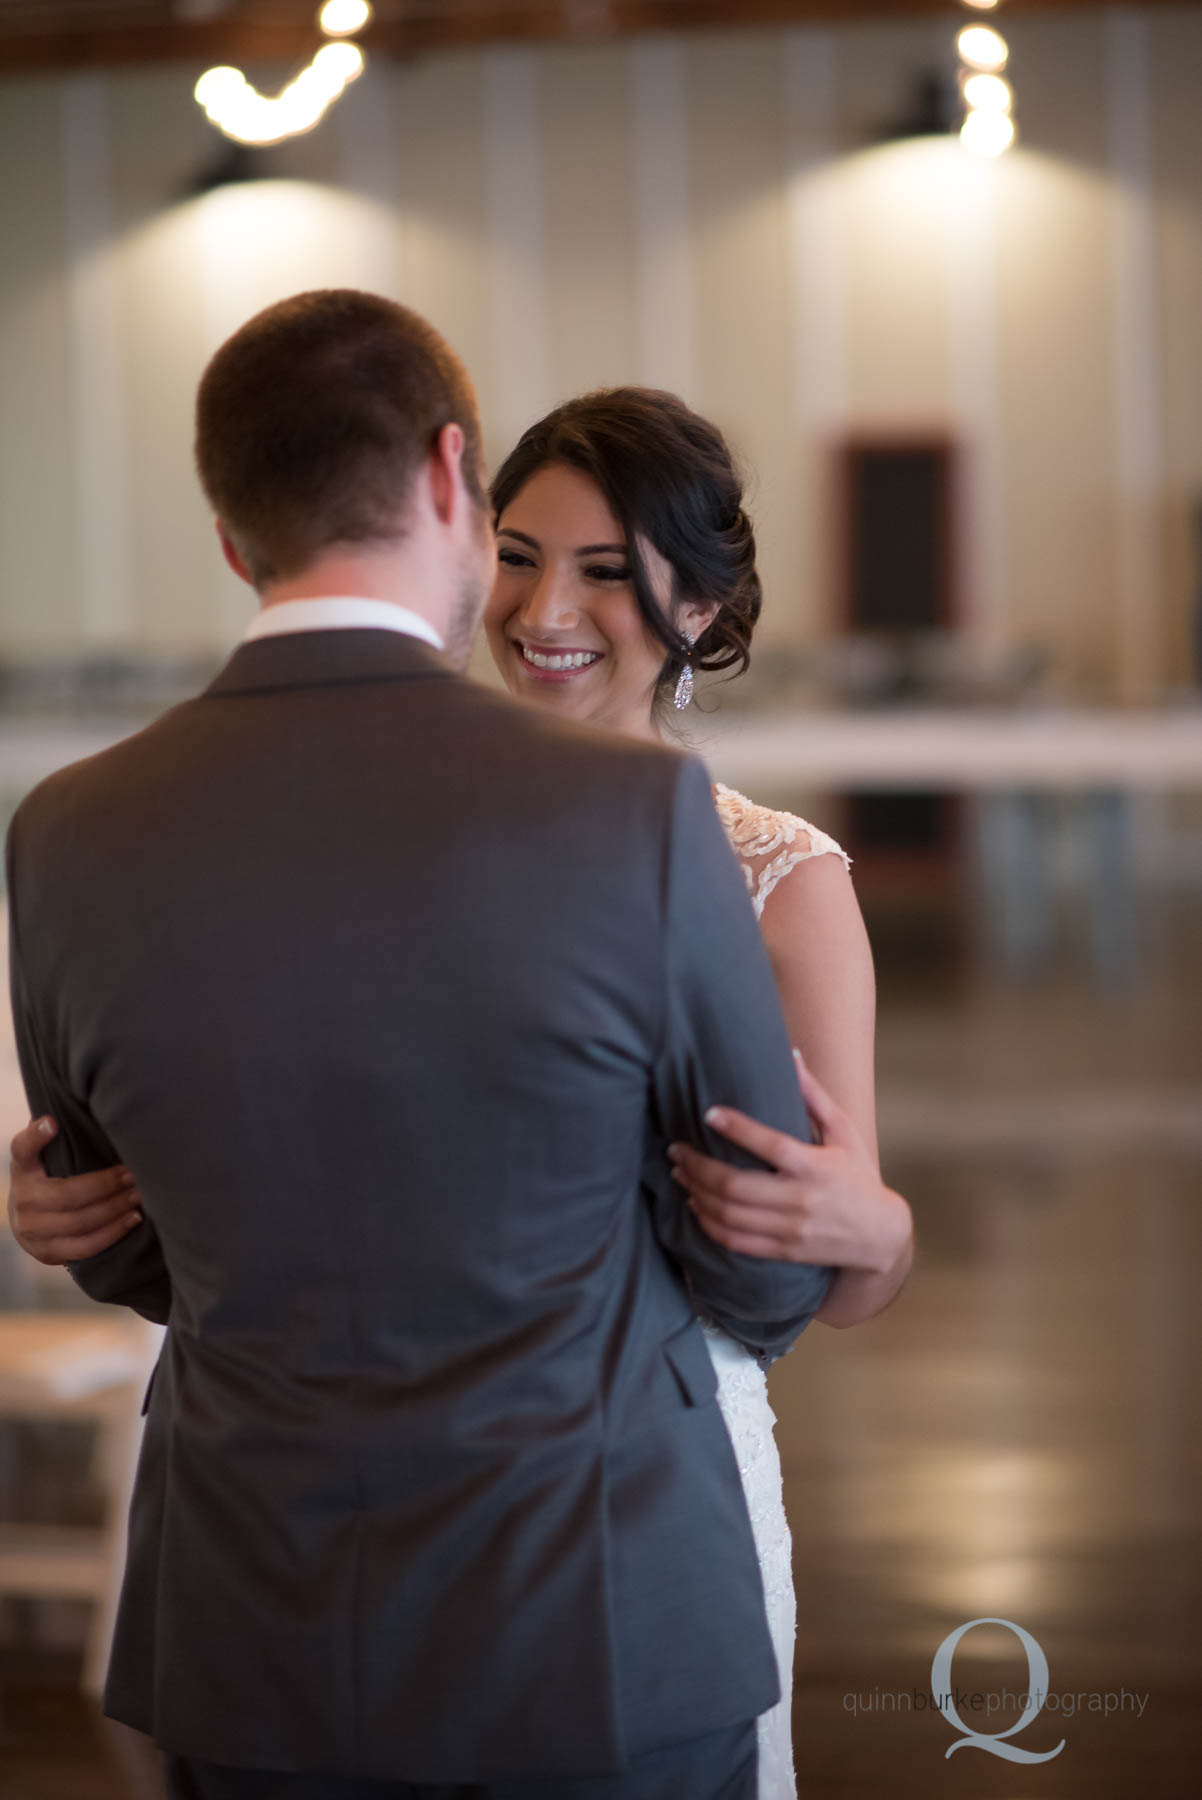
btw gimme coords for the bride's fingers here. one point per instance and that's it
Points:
(786, 1212)
(746, 1242)
(46, 1224)
(77, 1248)
(720, 1183)
(26, 1148)
(789, 1223)
(833, 1126)
(776, 1148)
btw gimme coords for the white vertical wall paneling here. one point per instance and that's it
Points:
(368, 163)
(226, 278)
(104, 565)
(809, 71)
(517, 247)
(255, 243)
(818, 300)
(666, 328)
(971, 216)
(1138, 456)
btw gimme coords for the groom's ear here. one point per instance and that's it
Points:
(231, 555)
(445, 472)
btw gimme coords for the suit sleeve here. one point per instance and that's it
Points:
(132, 1272)
(725, 1043)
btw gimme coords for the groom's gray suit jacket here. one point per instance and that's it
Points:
(388, 991)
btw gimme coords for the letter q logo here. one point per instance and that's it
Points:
(994, 1741)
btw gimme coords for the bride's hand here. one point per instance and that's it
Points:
(821, 1203)
(68, 1219)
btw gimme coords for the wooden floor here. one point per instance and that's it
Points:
(1016, 1439)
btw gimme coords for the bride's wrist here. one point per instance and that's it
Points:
(894, 1238)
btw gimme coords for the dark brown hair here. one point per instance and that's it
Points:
(669, 475)
(314, 418)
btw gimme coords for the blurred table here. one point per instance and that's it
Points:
(964, 748)
(1026, 769)
(970, 749)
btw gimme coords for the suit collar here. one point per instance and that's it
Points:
(326, 658)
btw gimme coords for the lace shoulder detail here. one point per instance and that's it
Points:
(768, 843)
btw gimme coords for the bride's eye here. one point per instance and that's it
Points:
(607, 572)
(515, 559)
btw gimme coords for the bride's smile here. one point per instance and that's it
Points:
(563, 621)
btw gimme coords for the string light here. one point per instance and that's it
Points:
(342, 18)
(981, 47)
(987, 133)
(988, 128)
(236, 107)
(988, 93)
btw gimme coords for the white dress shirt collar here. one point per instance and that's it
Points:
(339, 613)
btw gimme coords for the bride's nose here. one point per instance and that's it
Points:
(551, 603)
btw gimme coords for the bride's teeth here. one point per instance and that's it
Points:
(576, 659)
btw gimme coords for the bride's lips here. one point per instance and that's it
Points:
(554, 662)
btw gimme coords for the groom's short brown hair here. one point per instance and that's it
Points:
(314, 418)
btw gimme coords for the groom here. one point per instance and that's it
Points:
(434, 1496)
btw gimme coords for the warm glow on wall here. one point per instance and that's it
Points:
(983, 48)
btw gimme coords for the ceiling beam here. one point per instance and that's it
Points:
(128, 39)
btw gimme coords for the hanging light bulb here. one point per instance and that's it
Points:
(218, 87)
(987, 133)
(982, 5)
(242, 113)
(981, 47)
(341, 18)
(339, 64)
(988, 93)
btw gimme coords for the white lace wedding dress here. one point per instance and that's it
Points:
(769, 845)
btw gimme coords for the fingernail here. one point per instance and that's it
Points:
(45, 1127)
(716, 1116)
(674, 1152)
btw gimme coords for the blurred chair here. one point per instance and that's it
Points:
(67, 1365)
(1022, 837)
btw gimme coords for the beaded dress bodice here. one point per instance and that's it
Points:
(769, 844)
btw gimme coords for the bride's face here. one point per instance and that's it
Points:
(564, 595)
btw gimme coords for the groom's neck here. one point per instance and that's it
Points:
(391, 573)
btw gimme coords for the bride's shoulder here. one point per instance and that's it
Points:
(768, 842)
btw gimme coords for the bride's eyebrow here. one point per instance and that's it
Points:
(523, 537)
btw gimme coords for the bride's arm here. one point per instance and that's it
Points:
(825, 1204)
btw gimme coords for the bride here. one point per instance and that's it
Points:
(626, 560)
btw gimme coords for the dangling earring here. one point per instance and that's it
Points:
(684, 687)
